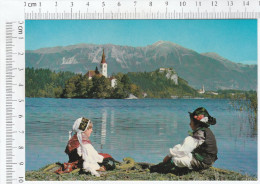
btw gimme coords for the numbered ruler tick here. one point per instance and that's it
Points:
(142, 9)
(15, 102)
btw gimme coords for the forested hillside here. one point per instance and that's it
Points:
(44, 82)
(156, 85)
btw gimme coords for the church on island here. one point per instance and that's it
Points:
(103, 71)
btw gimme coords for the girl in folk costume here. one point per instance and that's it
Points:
(198, 150)
(81, 152)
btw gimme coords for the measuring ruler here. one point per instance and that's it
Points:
(12, 103)
(14, 15)
(142, 9)
(15, 102)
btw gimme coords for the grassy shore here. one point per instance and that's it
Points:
(130, 170)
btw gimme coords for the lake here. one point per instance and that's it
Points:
(143, 129)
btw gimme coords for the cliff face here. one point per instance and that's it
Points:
(209, 69)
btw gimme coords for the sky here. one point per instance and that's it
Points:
(235, 40)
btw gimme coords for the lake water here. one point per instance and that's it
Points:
(142, 129)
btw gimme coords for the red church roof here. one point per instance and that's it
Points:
(90, 73)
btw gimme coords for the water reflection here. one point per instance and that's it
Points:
(112, 121)
(103, 127)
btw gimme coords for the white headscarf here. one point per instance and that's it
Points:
(75, 128)
(87, 164)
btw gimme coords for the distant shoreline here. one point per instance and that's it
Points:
(192, 98)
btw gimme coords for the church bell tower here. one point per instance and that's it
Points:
(103, 65)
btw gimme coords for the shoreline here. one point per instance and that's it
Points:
(192, 98)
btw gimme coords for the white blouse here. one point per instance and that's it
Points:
(91, 159)
(181, 153)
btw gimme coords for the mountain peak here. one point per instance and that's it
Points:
(159, 43)
(165, 43)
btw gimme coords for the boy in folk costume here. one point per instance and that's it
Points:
(199, 149)
(81, 152)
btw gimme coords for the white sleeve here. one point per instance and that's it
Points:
(91, 159)
(79, 151)
(188, 145)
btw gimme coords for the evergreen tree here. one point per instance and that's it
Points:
(44, 82)
(96, 71)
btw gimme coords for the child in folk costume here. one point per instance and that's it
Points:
(81, 152)
(198, 150)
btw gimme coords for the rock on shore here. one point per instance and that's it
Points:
(131, 170)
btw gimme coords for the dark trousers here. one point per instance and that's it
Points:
(163, 167)
(171, 167)
(108, 163)
(198, 165)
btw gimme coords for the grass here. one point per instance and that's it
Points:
(130, 170)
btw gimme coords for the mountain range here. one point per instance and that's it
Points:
(208, 69)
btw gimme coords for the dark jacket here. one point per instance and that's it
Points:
(207, 151)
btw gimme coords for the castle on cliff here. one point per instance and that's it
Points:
(170, 74)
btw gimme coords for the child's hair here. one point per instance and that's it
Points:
(90, 125)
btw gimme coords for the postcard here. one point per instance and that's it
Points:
(141, 100)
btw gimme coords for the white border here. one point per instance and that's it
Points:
(14, 10)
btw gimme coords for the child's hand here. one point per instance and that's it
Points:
(166, 159)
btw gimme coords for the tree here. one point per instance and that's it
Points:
(72, 88)
(96, 71)
(85, 87)
(119, 92)
(44, 82)
(101, 87)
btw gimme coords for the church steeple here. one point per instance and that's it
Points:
(103, 57)
(103, 65)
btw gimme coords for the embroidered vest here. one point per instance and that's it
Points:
(207, 151)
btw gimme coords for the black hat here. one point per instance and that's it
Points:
(201, 115)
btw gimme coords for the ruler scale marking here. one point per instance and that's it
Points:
(13, 40)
